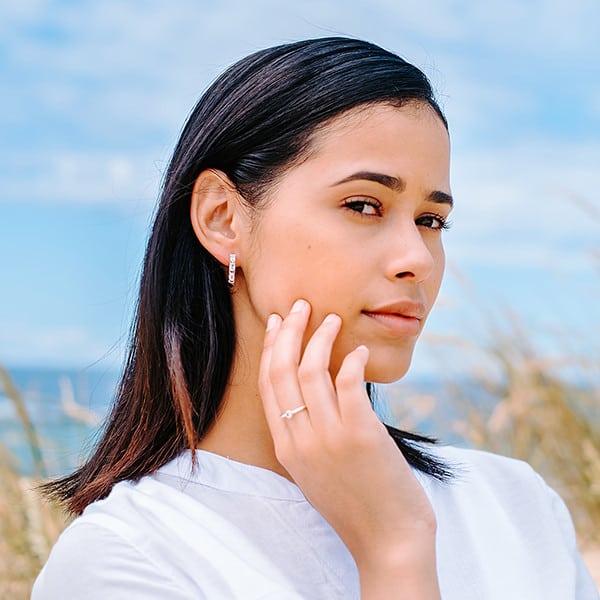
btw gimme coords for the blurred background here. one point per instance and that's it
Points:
(93, 97)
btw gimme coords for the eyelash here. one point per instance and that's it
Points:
(442, 222)
(356, 206)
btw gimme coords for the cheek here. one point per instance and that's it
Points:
(432, 284)
(290, 265)
(440, 267)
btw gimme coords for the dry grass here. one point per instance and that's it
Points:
(540, 410)
(534, 412)
(28, 526)
(548, 421)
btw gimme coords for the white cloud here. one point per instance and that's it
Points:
(532, 202)
(540, 28)
(96, 92)
(126, 67)
(53, 345)
(121, 64)
(84, 178)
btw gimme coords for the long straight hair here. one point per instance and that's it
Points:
(254, 122)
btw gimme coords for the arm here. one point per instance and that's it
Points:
(341, 456)
(412, 576)
(94, 563)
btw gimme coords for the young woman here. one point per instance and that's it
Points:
(295, 255)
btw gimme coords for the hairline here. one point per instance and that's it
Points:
(310, 145)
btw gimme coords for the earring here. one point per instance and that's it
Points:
(231, 271)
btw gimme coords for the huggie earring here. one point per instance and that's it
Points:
(231, 272)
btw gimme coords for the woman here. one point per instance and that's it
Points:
(295, 254)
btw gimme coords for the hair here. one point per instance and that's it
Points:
(254, 122)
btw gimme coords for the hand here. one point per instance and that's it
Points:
(342, 458)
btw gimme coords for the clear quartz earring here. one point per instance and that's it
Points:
(231, 271)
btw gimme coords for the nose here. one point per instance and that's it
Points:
(409, 256)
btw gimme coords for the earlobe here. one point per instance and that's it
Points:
(213, 214)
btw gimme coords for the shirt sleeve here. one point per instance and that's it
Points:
(585, 587)
(91, 562)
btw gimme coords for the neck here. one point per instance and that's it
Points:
(240, 431)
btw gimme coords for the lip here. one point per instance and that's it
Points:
(400, 318)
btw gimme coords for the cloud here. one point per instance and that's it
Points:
(102, 88)
(534, 200)
(541, 28)
(74, 345)
(95, 92)
(164, 50)
(83, 178)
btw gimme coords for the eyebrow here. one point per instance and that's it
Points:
(396, 184)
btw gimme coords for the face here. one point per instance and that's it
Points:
(356, 230)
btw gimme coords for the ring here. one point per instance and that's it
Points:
(288, 414)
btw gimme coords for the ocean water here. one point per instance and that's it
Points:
(67, 408)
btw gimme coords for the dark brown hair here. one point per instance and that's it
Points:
(252, 124)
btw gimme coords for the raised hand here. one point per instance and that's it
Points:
(342, 458)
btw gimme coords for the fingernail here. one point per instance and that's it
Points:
(362, 348)
(272, 321)
(299, 306)
(331, 318)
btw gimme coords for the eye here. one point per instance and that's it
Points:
(433, 221)
(364, 206)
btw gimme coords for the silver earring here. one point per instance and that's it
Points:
(231, 272)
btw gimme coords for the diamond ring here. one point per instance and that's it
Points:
(288, 414)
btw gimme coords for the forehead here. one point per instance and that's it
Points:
(362, 112)
(385, 135)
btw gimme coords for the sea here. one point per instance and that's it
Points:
(67, 408)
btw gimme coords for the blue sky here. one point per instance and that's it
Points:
(94, 94)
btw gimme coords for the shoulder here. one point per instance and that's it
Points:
(94, 561)
(507, 509)
(478, 467)
(491, 484)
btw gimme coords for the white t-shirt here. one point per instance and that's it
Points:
(227, 530)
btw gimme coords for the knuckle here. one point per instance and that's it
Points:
(307, 371)
(345, 380)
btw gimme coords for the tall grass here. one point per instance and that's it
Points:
(533, 411)
(516, 401)
(28, 526)
(546, 412)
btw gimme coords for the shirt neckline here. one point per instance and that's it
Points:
(229, 475)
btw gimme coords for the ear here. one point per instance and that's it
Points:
(214, 214)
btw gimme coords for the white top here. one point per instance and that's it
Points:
(227, 530)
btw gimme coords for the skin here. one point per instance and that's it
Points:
(329, 240)
(309, 243)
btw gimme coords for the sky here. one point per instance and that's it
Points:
(95, 93)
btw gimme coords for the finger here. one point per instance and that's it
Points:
(353, 400)
(313, 374)
(267, 394)
(285, 357)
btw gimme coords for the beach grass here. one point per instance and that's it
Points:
(536, 410)
(29, 526)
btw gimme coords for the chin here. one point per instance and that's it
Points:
(388, 371)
